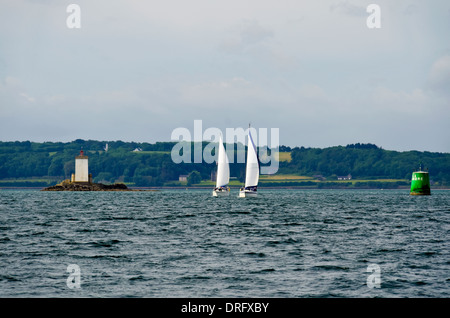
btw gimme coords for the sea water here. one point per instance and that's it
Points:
(186, 243)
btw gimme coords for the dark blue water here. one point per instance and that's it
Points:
(284, 243)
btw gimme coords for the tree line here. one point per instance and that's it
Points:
(146, 164)
(366, 161)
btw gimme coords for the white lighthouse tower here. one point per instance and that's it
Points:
(81, 169)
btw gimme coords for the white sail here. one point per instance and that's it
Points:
(252, 172)
(223, 168)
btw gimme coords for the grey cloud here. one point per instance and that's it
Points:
(306, 67)
(411, 9)
(252, 32)
(439, 76)
(245, 35)
(349, 9)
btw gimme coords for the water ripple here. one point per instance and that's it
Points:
(285, 243)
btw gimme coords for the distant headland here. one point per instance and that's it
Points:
(142, 165)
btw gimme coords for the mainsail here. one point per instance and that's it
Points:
(252, 172)
(223, 169)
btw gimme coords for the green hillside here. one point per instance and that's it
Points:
(145, 164)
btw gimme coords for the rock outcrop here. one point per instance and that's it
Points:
(66, 185)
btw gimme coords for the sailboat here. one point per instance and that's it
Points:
(252, 170)
(223, 172)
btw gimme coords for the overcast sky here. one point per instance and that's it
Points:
(136, 70)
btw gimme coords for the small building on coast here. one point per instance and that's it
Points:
(81, 180)
(81, 174)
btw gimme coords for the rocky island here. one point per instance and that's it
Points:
(67, 185)
(81, 180)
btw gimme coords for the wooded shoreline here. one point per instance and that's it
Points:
(143, 165)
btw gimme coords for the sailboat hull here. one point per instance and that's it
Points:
(220, 193)
(243, 194)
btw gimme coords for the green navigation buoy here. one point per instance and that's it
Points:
(420, 183)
